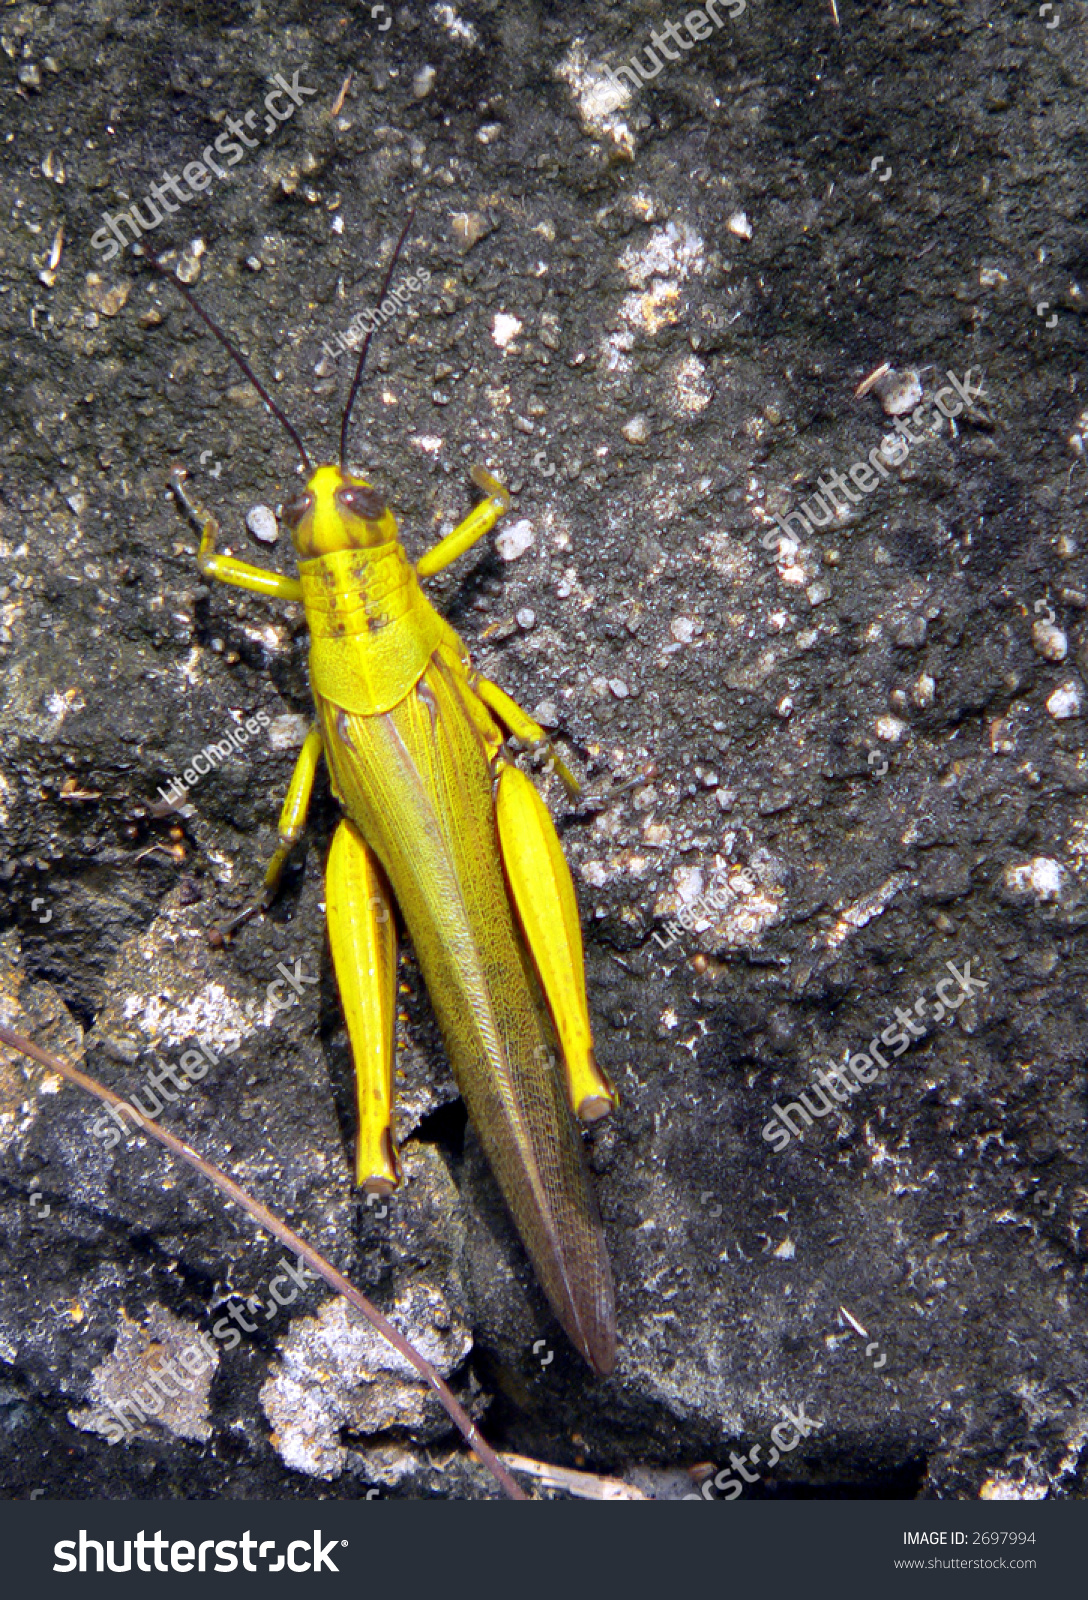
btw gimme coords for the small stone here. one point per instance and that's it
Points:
(818, 593)
(1067, 546)
(514, 541)
(1041, 879)
(1049, 641)
(504, 329)
(107, 302)
(909, 632)
(682, 629)
(288, 732)
(784, 708)
(618, 688)
(188, 268)
(261, 522)
(636, 429)
(547, 714)
(1002, 740)
(738, 223)
(899, 392)
(924, 692)
(1066, 701)
(526, 618)
(469, 227)
(890, 729)
(29, 76)
(423, 82)
(489, 132)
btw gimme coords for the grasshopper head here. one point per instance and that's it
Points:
(337, 511)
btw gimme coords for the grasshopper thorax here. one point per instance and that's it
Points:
(337, 511)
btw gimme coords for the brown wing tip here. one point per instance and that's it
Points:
(601, 1352)
(592, 1330)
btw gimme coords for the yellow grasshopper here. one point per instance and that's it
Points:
(439, 820)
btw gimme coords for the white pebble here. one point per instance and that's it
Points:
(636, 429)
(890, 729)
(423, 82)
(924, 692)
(526, 618)
(515, 540)
(288, 732)
(1066, 701)
(899, 392)
(261, 522)
(618, 688)
(1041, 879)
(1050, 642)
(504, 328)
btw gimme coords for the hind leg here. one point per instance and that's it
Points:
(362, 936)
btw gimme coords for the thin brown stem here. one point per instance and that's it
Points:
(272, 1224)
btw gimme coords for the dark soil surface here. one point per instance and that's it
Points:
(648, 313)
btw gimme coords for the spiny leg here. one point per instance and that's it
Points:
(543, 893)
(480, 520)
(522, 726)
(363, 940)
(292, 823)
(225, 569)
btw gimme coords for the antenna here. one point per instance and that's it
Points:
(231, 349)
(366, 345)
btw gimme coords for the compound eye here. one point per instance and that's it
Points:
(362, 502)
(296, 508)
